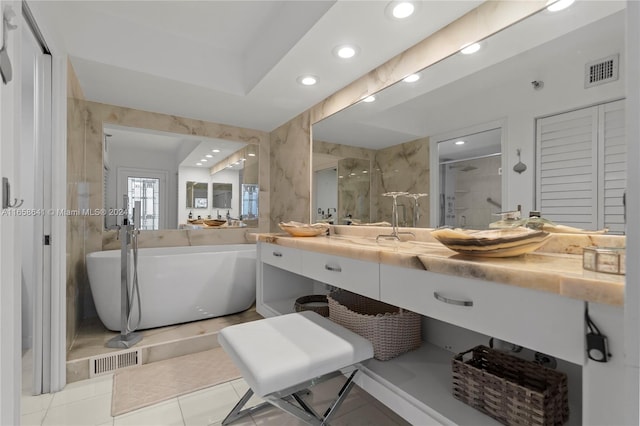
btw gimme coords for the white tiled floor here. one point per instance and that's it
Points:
(88, 402)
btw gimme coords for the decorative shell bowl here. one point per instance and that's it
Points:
(297, 229)
(492, 243)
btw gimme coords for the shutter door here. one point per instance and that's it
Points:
(613, 166)
(566, 158)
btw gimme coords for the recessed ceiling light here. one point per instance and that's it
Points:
(345, 51)
(460, 142)
(216, 150)
(468, 49)
(198, 164)
(204, 160)
(555, 6)
(411, 78)
(401, 9)
(251, 154)
(369, 99)
(209, 156)
(307, 80)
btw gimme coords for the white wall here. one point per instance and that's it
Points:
(232, 177)
(199, 174)
(480, 99)
(191, 174)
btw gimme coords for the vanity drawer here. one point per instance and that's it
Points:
(353, 275)
(286, 258)
(538, 320)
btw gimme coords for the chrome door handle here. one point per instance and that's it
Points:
(277, 254)
(452, 301)
(333, 268)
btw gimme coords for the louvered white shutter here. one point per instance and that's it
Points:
(567, 168)
(581, 167)
(612, 179)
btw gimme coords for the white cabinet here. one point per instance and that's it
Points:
(354, 275)
(285, 258)
(417, 385)
(534, 319)
(278, 281)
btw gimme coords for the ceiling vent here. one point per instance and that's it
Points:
(601, 71)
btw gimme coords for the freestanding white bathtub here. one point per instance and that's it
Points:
(177, 284)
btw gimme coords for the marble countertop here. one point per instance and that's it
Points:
(558, 271)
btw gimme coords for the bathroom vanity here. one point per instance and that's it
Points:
(537, 301)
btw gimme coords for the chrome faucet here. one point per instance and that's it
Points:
(394, 217)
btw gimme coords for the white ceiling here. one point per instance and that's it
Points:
(188, 149)
(231, 62)
(508, 62)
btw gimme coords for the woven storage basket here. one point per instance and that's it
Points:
(391, 330)
(509, 389)
(305, 303)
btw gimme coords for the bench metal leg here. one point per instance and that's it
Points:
(302, 411)
(237, 412)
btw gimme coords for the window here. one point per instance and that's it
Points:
(147, 191)
(249, 208)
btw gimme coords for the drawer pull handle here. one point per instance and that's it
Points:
(452, 301)
(333, 268)
(277, 254)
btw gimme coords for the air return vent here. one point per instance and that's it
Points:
(105, 364)
(601, 71)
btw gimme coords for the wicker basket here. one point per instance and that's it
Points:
(509, 389)
(311, 303)
(391, 330)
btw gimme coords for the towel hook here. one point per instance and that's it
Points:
(6, 196)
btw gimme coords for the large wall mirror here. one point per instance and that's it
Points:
(175, 176)
(457, 130)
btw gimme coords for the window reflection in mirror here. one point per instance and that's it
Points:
(163, 164)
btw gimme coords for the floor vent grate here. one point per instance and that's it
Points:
(106, 364)
(601, 71)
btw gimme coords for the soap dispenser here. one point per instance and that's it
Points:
(190, 215)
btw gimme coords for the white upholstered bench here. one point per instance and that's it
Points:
(283, 356)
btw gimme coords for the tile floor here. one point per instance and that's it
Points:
(88, 402)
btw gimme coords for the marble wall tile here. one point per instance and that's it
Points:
(354, 190)
(342, 151)
(74, 90)
(291, 172)
(403, 168)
